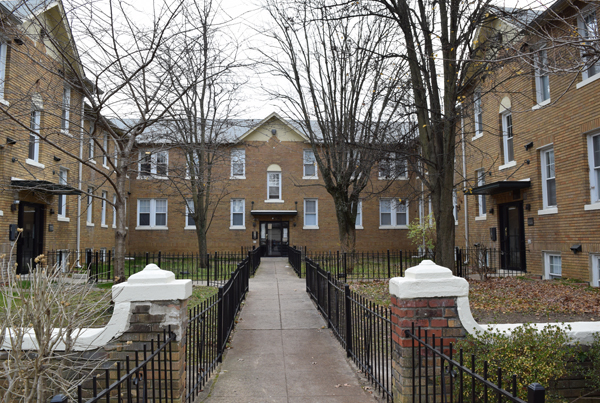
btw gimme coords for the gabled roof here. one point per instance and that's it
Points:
(265, 120)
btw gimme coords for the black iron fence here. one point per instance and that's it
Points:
(212, 269)
(438, 376)
(148, 377)
(482, 262)
(295, 259)
(361, 327)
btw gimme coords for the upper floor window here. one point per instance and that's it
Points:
(542, 79)
(153, 163)
(481, 211)
(103, 210)
(62, 198)
(274, 185)
(114, 209)
(66, 110)
(392, 167)
(594, 162)
(90, 210)
(478, 113)
(105, 146)
(548, 178)
(34, 139)
(310, 165)
(311, 213)
(238, 163)
(358, 223)
(393, 213)
(3, 51)
(455, 206)
(588, 29)
(189, 214)
(507, 138)
(91, 149)
(238, 213)
(152, 213)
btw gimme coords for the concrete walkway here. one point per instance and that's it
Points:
(280, 351)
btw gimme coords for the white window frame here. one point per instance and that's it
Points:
(3, 56)
(231, 214)
(455, 206)
(308, 159)
(66, 110)
(153, 155)
(594, 174)
(508, 140)
(584, 33)
(114, 209)
(595, 267)
(394, 203)
(89, 221)
(315, 214)
(105, 155)
(91, 150)
(153, 213)
(547, 207)
(390, 166)
(189, 209)
(542, 78)
(548, 258)
(481, 201)
(34, 136)
(477, 114)
(269, 199)
(238, 156)
(103, 215)
(358, 224)
(63, 174)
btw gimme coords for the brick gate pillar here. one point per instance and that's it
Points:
(430, 297)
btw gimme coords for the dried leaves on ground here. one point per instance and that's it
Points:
(515, 299)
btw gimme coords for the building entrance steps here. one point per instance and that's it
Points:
(280, 351)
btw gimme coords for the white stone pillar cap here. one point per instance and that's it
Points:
(428, 280)
(152, 284)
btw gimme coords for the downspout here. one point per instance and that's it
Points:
(80, 182)
(464, 166)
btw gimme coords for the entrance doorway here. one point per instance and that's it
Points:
(31, 240)
(512, 236)
(274, 237)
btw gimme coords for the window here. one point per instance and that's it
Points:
(392, 167)
(153, 163)
(548, 179)
(542, 79)
(152, 213)
(481, 199)
(105, 146)
(238, 214)
(189, 210)
(455, 206)
(62, 198)
(103, 216)
(274, 185)
(594, 161)
(507, 138)
(478, 114)
(3, 49)
(310, 165)
(359, 223)
(238, 163)
(393, 213)
(553, 263)
(311, 214)
(115, 153)
(66, 110)
(114, 223)
(588, 29)
(34, 139)
(90, 200)
(595, 270)
(91, 149)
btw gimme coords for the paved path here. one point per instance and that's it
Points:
(280, 353)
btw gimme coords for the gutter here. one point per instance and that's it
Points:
(80, 183)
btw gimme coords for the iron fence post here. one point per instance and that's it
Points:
(220, 324)
(328, 299)
(159, 255)
(347, 309)
(147, 258)
(389, 266)
(401, 264)
(208, 269)
(536, 393)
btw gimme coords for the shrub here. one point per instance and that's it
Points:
(422, 234)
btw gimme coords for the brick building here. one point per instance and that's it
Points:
(532, 154)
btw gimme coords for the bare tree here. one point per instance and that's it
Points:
(344, 91)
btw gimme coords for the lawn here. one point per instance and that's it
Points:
(515, 299)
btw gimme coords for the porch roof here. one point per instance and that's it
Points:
(499, 187)
(44, 186)
(273, 212)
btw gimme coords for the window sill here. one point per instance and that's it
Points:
(105, 167)
(393, 227)
(588, 80)
(89, 224)
(274, 201)
(63, 219)
(149, 177)
(114, 227)
(103, 225)
(477, 136)
(190, 228)
(237, 177)
(540, 104)
(399, 178)
(66, 132)
(310, 177)
(481, 217)
(358, 227)
(456, 222)
(593, 206)
(237, 228)
(548, 210)
(507, 165)
(149, 228)
(4, 102)
(34, 163)
(310, 227)
(92, 160)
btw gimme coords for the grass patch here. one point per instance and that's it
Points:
(201, 294)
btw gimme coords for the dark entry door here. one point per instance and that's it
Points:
(274, 237)
(31, 240)
(512, 236)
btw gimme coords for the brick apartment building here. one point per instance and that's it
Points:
(532, 158)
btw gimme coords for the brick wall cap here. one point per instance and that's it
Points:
(152, 274)
(152, 284)
(428, 280)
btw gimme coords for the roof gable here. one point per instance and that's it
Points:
(263, 131)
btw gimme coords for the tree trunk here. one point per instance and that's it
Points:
(121, 232)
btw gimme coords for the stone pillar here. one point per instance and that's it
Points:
(428, 296)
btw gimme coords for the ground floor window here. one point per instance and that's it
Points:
(393, 213)
(311, 213)
(595, 270)
(237, 214)
(553, 265)
(152, 213)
